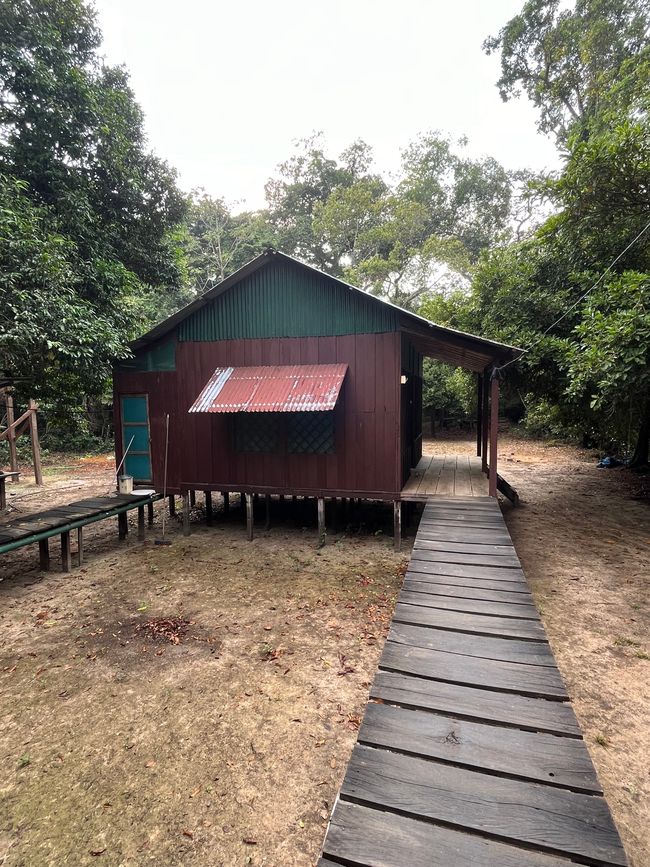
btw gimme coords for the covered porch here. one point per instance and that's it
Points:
(463, 476)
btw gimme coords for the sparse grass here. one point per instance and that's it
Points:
(601, 740)
(621, 641)
(641, 654)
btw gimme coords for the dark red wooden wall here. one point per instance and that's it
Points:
(367, 459)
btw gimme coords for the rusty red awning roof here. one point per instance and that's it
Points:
(278, 388)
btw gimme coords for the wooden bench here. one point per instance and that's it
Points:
(39, 527)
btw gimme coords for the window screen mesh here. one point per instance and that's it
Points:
(311, 433)
(257, 432)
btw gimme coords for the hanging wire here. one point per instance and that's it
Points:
(497, 370)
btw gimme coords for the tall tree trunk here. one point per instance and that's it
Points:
(640, 456)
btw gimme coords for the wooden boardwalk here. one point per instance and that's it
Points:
(449, 476)
(469, 752)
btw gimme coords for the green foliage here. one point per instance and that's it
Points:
(611, 361)
(449, 392)
(88, 217)
(568, 61)
(217, 242)
(573, 292)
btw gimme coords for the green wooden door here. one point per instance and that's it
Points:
(135, 426)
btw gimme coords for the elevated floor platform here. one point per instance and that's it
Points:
(469, 752)
(448, 476)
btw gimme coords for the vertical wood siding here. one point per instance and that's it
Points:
(367, 417)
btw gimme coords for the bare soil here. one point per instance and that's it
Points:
(197, 704)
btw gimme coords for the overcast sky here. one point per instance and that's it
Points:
(228, 87)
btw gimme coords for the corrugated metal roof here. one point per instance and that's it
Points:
(278, 388)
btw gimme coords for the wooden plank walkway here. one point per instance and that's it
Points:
(449, 476)
(469, 752)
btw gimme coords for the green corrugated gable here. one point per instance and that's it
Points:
(283, 300)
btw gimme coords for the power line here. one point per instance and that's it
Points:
(581, 299)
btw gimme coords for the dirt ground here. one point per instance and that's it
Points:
(120, 747)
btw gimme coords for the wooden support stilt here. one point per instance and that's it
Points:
(80, 545)
(242, 502)
(335, 515)
(172, 504)
(122, 525)
(494, 434)
(226, 502)
(479, 413)
(267, 501)
(321, 522)
(485, 424)
(192, 498)
(65, 551)
(36, 449)
(150, 514)
(186, 514)
(141, 523)
(208, 508)
(397, 524)
(11, 436)
(44, 555)
(249, 516)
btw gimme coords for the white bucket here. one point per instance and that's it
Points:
(125, 484)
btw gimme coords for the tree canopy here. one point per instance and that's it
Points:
(97, 242)
(89, 214)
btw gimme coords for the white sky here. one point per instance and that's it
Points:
(227, 87)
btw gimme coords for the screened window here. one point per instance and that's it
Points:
(298, 433)
(311, 433)
(257, 432)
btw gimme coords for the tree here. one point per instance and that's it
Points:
(571, 63)
(218, 242)
(611, 360)
(305, 181)
(93, 213)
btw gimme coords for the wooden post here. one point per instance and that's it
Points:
(335, 515)
(267, 501)
(122, 526)
(44, 555)
(226, 502)
(479, 413)
(242, 502)
(321, 522)
(36, 449)
(494, 433)
(186, 514)
(249, 516)
(208, 508)
(485, 425)
(65, 552)
(172, 504)
(11, 436)
(141, 523)
(80, 545)
(397, 524)
(192, 498)
(150, 514)
(3, 494)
